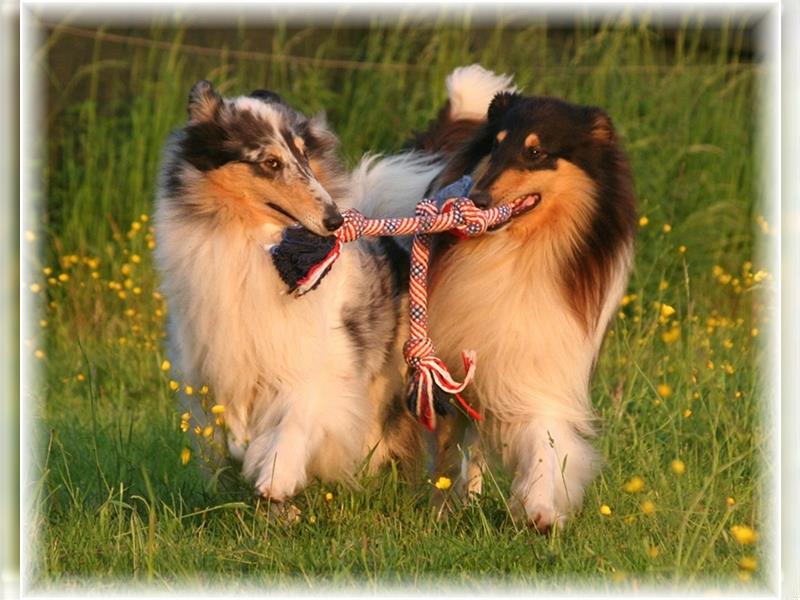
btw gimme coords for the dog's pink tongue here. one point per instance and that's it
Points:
(529, 201)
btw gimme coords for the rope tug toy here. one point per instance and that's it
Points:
(303, 258)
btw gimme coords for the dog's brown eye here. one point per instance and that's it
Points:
(273, 163)
(534, 152)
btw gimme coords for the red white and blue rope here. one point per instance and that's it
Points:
(458, 215)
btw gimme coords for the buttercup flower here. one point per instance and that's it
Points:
(744, 534)
(443, 483)
(634, 485)
(605, 510)
(678, 466)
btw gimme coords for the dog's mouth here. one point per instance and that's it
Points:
(520, 206)
(283, 212)
(525, 203)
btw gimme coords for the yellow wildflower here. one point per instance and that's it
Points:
(663, 285)
(648, 507)
(744, 534)
(80, 377)
(36, 288)
(678, 466)
(144, 218)
(186, 454)
(748, 563)
(653, 551)
(666, 310)
(39, 354)
(218, 409)
(687, 413)
(136, 259)
(634, 485)
(754, 332)
(664, 390)
(682, 249)
(174, 385)
(728, 368)
(668, 337)
(312, 519)
(328, 496)
(63, 277)
(666, 228)
(208, 431)
(203, 390)
(730, 501)
(443, 483)
(166, 365)
(605, 510)
(189, 390)
(643, 221)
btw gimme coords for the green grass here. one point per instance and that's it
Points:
(114, 504)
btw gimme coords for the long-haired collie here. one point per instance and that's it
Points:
(534, 297)
(310, 386)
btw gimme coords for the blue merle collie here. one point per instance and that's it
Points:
(312, 386)
(534, 297)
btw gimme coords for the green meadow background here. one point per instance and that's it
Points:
(680, 499)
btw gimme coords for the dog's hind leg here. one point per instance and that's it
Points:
(453, 448)
(474, 464)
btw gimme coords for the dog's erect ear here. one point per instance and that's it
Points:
(267, 96)
(203, 102)
(501, 103)
(602, 128)
(317, 135)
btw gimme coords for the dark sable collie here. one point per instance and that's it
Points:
(533, 298)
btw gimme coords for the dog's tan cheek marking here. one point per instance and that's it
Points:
(509, 186)
(501, 136)
(299, 144)
(568, 201)
(532, 140)
(233, 187)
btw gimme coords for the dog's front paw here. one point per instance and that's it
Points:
(544, 518)
(284, 513)
(278, 485)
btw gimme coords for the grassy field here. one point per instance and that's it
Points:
(680, 500)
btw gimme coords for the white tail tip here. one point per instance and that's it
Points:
(471, 89)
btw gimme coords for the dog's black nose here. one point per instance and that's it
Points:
(333, 220)
(480, 199)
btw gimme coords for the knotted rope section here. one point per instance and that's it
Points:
(297, 261)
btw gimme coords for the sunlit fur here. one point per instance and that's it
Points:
(311, 386)
(532, 298)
